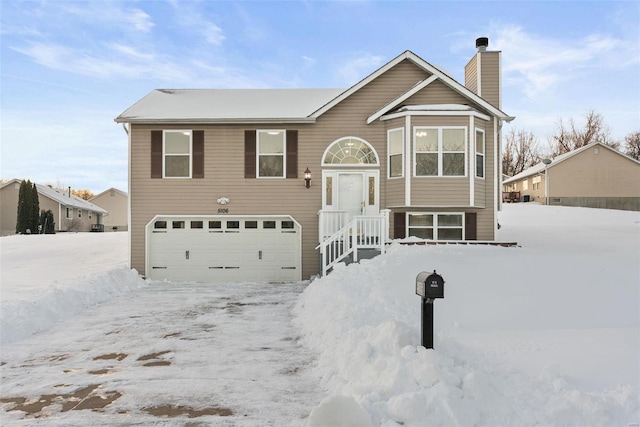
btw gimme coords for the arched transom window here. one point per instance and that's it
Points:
(350, 151)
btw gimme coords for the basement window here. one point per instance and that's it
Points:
(436, 226)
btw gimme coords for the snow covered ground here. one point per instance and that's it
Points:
(547, 333)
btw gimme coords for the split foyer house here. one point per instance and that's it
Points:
(279, 184)
(595, 175)
(70, 213)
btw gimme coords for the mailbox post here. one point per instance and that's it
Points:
(429, 286)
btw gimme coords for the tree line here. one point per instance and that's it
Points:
(521, 149)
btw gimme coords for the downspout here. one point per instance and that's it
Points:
(127, 131)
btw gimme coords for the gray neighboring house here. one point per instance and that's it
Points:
(116, 202)
(595, 176)
(70, 213)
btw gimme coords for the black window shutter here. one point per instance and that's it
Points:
(198, 154)
(156, 154)
(399, 225)
(470, 226)
(249, 153)
(292, 154)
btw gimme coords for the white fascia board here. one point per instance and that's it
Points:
(437, 113)
(415, 89)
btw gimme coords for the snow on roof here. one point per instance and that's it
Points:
(63, 198)
(227, 105)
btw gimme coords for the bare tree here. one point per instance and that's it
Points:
(570, 137)
(633, 145)
(520, 152)
(83, 194)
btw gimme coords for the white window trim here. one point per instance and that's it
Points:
(435, 223)
(401, 129)
(164, 153)
(483, 154)
(284, 153)
(350, 165)
(440, 152)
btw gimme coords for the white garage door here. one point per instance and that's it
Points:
(224, 249)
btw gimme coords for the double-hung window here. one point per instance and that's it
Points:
(479, 153)
(440, 151)
(177, 154)
(436, 226)
(395, 141)
(69, 213)
(271, 146)
(79, 213)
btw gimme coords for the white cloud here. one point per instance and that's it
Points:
(355, 69)
(213, 34)
(540, 63)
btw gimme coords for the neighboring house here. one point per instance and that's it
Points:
(279, 184)
(595, 175)
(116, 202)
(70, 213)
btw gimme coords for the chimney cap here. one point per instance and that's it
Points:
(482, 43)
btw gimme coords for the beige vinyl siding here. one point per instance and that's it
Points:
(586, 174)
(9, 208)
(471, 74)
(48, 204)
(437, 93)
(117, 206)
(490, 77)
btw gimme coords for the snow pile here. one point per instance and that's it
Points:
(546, 333)
(49, 278)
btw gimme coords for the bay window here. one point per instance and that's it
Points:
(395, 143)
(440, 151)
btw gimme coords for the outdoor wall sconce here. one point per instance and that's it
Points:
(307, 178)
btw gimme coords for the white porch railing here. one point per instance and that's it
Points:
(362, 232)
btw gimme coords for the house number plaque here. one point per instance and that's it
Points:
(223, 210)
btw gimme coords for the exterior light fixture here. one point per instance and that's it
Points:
(307, 178)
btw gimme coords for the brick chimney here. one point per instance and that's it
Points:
(482, 73)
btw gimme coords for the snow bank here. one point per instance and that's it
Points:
(48, 278)
(364, 322)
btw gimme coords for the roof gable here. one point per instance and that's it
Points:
(421, 63)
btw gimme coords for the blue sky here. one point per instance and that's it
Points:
(68, 68)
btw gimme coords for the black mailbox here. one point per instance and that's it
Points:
(430, 285)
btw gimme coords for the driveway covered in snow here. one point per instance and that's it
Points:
(217, 354)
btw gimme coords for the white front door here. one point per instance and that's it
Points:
(354, 192)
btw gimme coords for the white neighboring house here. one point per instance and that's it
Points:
(116, 202)
(70, 213)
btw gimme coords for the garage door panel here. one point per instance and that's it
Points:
(225, 249)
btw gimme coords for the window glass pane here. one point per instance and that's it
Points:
(426, 139)
(177, 224)
(350, 151)
(271, 166)
(287, 225)
(422, 233)
(453, 164)
(196, 224)
(160, 224)
(449, 220)
(372, 191)
(427, 164)
(395, 165)
(329, 191)
(271, 142)
(449, 234)
(421, 220)
(176, 166)
(177, 142)
(233, 224)
(251, 224)
(395, 141)
(215, 224)
(479, 142)
(453, 139)
(269, 224)
(480, 165)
